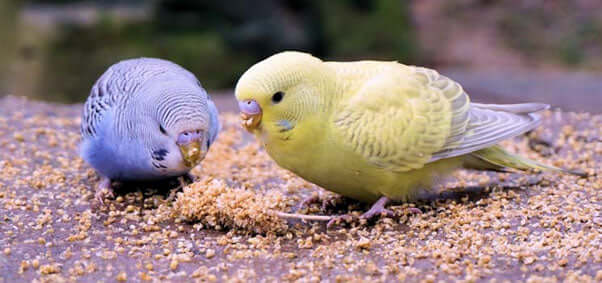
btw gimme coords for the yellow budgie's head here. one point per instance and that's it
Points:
(278, 93)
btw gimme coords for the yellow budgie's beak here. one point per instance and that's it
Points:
(250, 114)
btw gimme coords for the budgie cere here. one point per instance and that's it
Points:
(146, 119)
(375, 131)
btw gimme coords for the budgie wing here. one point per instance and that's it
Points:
(398, 121)
(489, 124)
(475, 126)
(103, 97)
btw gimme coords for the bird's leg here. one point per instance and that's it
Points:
(184, 180)
(325, 203)
(314, 198)
(414, 210)
(378, 209)
(188, 178)
(104, 189)
(339, 218)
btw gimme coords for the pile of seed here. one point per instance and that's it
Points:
(474, 227)
(217, 205)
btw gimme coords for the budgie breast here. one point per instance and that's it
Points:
(125, 159)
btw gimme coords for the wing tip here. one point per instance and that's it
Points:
(521, 108)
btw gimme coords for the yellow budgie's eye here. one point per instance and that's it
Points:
(277, 97)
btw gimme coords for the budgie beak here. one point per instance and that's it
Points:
(192, 147)
(250, 114)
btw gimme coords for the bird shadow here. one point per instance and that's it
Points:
(475, 193)
(429, 201)
(161, 187)
(137, 192)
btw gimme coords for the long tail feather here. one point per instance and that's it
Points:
(496, 157)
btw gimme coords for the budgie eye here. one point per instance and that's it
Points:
(277, 97)
(163, 131)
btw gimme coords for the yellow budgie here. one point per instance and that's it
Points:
(375, 131)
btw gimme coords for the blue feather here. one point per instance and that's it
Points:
(285, 125)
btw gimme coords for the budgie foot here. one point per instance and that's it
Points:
(414, 210)
(325, 203)
(104, 190)
(378, 209)
(346, 218)
(188, 178)
(184, 180)
(314, 198)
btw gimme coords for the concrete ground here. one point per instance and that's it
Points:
(477, 227)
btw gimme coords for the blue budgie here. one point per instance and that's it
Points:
(146, 119)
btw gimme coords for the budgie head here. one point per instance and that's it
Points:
(184, 123)
(278, 93)
(176, 125)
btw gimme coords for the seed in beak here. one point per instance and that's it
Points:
(250, 114)
(250, 122)
(191, 148)
(192, 153)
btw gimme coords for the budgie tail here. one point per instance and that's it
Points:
(498, 159)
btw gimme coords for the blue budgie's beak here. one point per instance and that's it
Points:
(192, 147)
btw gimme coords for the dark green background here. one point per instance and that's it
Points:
(219, 40)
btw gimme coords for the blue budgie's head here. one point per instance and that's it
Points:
(183, 124)
(161, 119)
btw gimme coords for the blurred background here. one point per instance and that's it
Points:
(501, 51)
